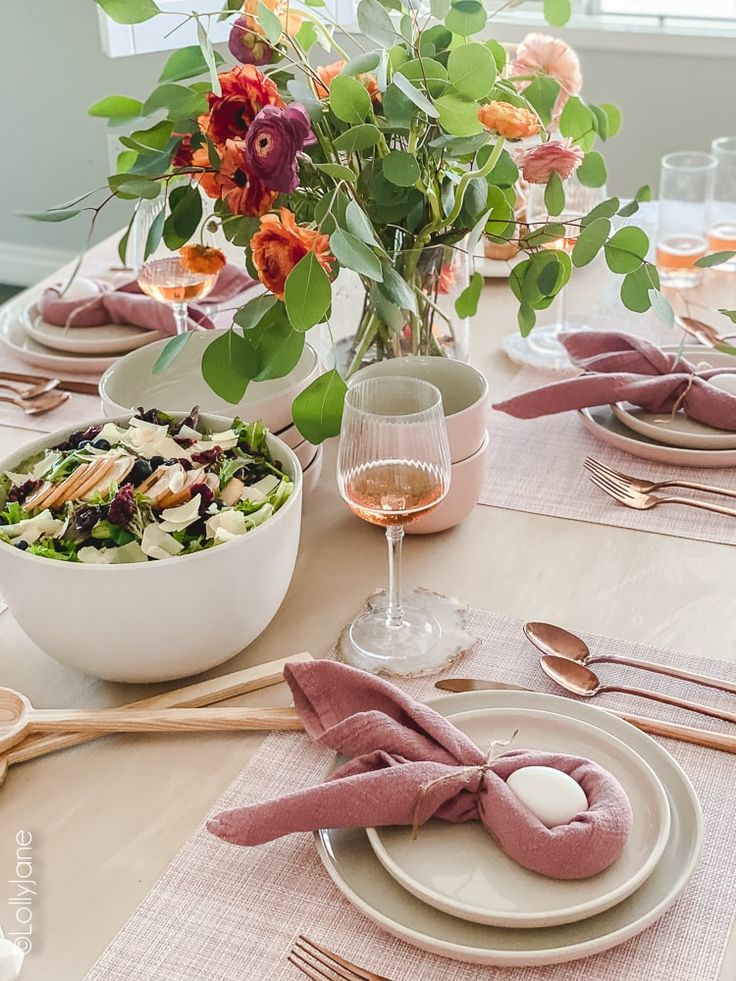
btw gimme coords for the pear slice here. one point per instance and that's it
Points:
(172, 498)
(117, 471)
(65, 490)
(95, 477)
(230, 493)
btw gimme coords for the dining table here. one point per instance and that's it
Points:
(104, 819)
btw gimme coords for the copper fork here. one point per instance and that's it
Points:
(321, 964)
(625, 482)
(645, 502)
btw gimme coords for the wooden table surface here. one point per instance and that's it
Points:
(106, 818)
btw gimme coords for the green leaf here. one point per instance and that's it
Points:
(731, 314)
(613, 114)
(153, 239)
(186, 213)
(186, 63)
(337, 171)
(351, 252)
(131, 186)
(578, 123)
(276, 343)
(300, 93)
(542, 95)
(170, 352)
(375, 22)
(606, 209)
(590, 241)
(457, 115)
(413, 94)
(505, 173)
(626, 249)
(466, 17)
(61, 214)
(472, 70)
(358, 138)
(388, 312)
(715, 259)
(157, 137)
(208, 53)
(349, 99)
(306, 36)
(359, 224)
(398, 110)
(308, 293)
(254, 311)
(123, 243)
(129, 11)
(557, 12)
(439, 8)
(367, 62)
(601, 122)
(269, 22)
(229, 363)
(466, 304)
(179, 100)
(499, 53)
(526, 318)
(401, 168)
(396, 288)
(636, 286)
(644, 193)
(592, 171)
(317, 411)
(662, 308)
(425, 74)
(554, 194)
(501, 215)
(116, 107)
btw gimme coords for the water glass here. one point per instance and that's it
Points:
(722, 237)
(685, 205)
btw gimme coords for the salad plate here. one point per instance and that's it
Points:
(360, 877)
(678, 430)
(102, 339)
(13, 335)
(458, 868)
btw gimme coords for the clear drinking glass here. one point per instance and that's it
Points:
(722, 236)
(393, 466)
(168, 281)
(685, 204)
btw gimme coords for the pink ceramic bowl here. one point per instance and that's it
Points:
(465, 488)
(464, 396)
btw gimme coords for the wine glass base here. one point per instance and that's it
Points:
(432, 634)
(541, 349)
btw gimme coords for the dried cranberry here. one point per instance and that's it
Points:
(206, 496)
(122, 508)
(207, 457)
(184, 441)
(22, 491)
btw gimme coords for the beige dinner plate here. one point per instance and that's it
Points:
(360, 877)
(459, 868)
(101, 339)
(14, 337)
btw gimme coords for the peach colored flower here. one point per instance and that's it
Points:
(279, 244)
(207, 181)
(328, 72)
(243, 193)
(446, 279)
(540, 53)
(556, 156)
(245, 91)
(290, 20)
(513, 122)
(202, 259)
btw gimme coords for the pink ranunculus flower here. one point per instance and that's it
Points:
(550, 56)
(556, 156)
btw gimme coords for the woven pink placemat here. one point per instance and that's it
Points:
(223, 913)
(537, 465)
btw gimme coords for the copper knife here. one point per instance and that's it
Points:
(655, 727)
(80, 387)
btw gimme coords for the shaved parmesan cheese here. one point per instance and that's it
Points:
(96, 556)
(178, 518)
(31, 529)
(226, 525)
(157, 544)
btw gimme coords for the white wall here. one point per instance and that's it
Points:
(52, 68)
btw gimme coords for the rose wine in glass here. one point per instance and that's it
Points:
(676, 256)
(722, 234)
(393, 466)
(169, 281)
(685, 205)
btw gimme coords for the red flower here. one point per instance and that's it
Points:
(244, 193)
(245, 91)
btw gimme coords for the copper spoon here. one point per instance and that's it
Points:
(32, 391)
(705, 333)
(579, 680)
(39, 405)
(557, 641)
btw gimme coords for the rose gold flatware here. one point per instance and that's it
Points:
(32, 391)
(37, 406)
(579, 680)
(628, 483)
(645, 502)
(550, 639)
(705, 333)
(80, 387)
(320, 963)
(654, 727)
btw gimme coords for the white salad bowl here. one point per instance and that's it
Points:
(130, 382)
(162, 619)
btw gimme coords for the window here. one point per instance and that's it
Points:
(706, 9)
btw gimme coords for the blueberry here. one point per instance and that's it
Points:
(140, 471)
(21, 545)
(101, 444)
(156, 461)
(84, 443)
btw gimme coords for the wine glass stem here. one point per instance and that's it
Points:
(181, 317)
(562, 309)
(394, 613)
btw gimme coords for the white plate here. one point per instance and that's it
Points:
(360, 877)
(458, 868)
(99, 340)
(14, 337)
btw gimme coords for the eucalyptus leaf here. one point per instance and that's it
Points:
(302, 94)
(526, 318)
(466, 304)
(356, 255)
(636, 286)
(153, 239)
(254, 311)
(60, 214)
(606, 209)
(129, 11)
(591, 240)
(229, 363)
(186, 213)
(458, 115)
(116, 107)
(554, 194)
(358, 138)
(278, 346)
(317, 411)
(731, 314)
(357, 222)
(466, 17)
(592, 171)
(401, 168)
(542, 94)
(337, 171)
(613, 114)
(131, 186)
(471, 69)
(367, 62)
(626, 249)
(123, 243)
(413, 94)
(307, 36)
(208, 53)
(270, 23)
(180, 101)
(426, 74)
(375, 22)
(715, 259)
(349, 99)
(557, 12)
(578, 123)
(170, 352)
(662, 307)
(308, 293)
(499, 53)
(396, 289)
(186, 63)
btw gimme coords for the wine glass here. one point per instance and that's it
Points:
(169, 281)
(394, 466)
(542, 348)
(722, 236)
(685, 206)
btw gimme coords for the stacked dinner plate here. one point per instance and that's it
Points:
(65, 350)
(670, 438)
(452, 891)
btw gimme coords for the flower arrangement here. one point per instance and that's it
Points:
(391, 161)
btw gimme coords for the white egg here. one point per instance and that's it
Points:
(551, 795)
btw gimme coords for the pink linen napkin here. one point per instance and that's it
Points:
(410, 763)
(623, 368)
(127, 304)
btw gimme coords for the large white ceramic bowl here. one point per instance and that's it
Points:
(130, 382)
(157, 620)
(464, 393)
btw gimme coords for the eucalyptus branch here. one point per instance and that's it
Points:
(468, 176)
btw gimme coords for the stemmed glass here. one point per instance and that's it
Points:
(169, 281)
(394, 466)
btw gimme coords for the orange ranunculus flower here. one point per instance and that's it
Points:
(202, 259)
(243, 193)
(207, 181)
(290, 20)
(513, 122)
(446, 278)
(279, 244)
(245, 91)
(328, 72)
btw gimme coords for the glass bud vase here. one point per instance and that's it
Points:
(435, 277)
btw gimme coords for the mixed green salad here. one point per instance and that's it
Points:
(153, 489)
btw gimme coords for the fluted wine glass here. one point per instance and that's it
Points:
(394, 466)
